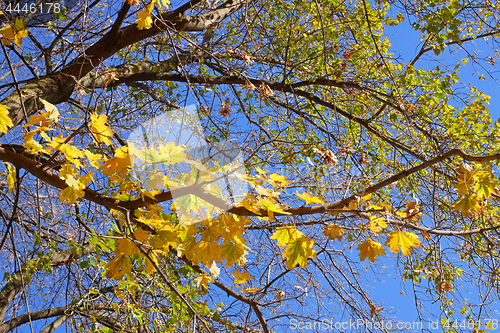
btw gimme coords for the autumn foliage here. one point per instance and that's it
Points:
(359, 165)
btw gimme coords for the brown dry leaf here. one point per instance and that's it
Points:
(326, 155)
(373, 310)
(225, 110)
(265, 91)
(445, 287)
(249, 86)
(348, 54)
(247, 59)
(426, 235)
(412, 208)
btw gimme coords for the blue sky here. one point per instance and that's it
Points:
(405, 42)
(387, 288)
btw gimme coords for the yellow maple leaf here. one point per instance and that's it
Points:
(5, 121)
(205, 252)
(309, 198)
(53, 113)
(486, 184)
(298, 251)
(71, 194)
(233, 252)
(14, 32)
(272, 207)
(125, 247)
(101, 131)
(333, 231)
(203, 281)
(403, 239)
(467, 204)
(118, 267)
(278, 180)
(214, 269)
(370, 249)
(172, 154)
(11, 177)
(144, 20)
(118, 164)
(377, 223)
(286, 235)
(242, 277)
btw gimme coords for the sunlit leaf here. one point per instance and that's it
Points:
(370, 249)
(404, 240)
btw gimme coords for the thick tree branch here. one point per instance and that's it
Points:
(57, 87)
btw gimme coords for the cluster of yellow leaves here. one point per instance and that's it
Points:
(377, 223)
(274, 179)
(298, 247)
(473, 186)
(125, 249)
(397, 240)
(144, 20)
(228, 228)
(14, 32)
(45, 119)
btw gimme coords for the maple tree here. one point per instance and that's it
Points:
(354, 159)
